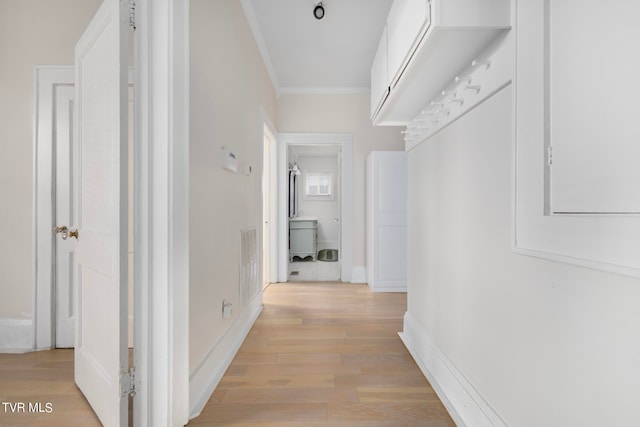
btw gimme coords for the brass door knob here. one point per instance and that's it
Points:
(65, 232)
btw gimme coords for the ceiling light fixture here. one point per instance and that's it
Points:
(318, 11)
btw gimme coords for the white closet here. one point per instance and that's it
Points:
(386, 221)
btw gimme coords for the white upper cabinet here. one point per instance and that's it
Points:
(427, 43)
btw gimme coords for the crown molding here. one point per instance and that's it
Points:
(329, 90)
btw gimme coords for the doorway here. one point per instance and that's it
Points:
(62, 212)
(314, 212)
(316, 159)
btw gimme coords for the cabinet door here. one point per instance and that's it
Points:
(379, 75)
(593, 107)
(404, 25)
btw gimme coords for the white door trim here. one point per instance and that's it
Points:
(45, 80)
(268, 129)
(161, 219)
(346, 205)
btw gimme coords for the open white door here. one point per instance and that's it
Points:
(101, 185)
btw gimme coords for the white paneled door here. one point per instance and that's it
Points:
(101, 186)
(63, 214)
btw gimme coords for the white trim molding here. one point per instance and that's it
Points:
(16, 335)
(358, 274)
(325, 90)
(161, 226)
(463, 402)
(209, 372)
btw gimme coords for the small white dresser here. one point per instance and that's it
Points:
(303, 236)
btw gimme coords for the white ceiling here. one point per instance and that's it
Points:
(306, 55)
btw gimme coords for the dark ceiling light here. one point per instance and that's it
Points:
(318, 11)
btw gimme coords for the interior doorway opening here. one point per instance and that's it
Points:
(63, 214)
(315, 198)
(315, 207)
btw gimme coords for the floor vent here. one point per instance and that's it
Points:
(248, 285)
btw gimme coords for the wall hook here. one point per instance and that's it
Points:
(477, 62)
(466, 79)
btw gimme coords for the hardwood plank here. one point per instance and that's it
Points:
(388, 411)
(253, 413)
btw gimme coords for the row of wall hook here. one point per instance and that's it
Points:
(450, 101)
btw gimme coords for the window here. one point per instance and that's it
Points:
(318, 185)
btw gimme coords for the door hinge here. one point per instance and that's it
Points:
(132, 14)
(128, 383)
(549, 156)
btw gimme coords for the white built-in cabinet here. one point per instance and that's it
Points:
(424, 44)
(386, 221)
(577, 191)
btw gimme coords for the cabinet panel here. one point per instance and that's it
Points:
(593, 107)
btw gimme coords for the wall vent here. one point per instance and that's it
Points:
(248, 285)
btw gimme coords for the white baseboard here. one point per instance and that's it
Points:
(207, 375)
(16, 335)
(465, 405)
(389, 287)
(358, 274)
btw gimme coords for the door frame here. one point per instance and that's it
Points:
(269, 131)
(161, 176)
(345, 140)
(46, 78)
(161, 218)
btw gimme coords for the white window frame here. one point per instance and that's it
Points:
(320, 173)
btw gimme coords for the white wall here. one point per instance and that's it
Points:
(228, 85)
(32, 32)
(324, 210)
(540, 343)
(342, 114)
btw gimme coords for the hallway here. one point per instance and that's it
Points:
(325, 354)
(320, 354)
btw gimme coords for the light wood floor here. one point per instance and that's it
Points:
(325, 355)
(319, 355)
(43, 377)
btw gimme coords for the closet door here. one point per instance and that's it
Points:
(101, 184)
(387, 221)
